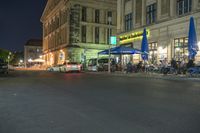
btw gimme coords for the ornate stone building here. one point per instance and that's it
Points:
(167, 22)
(76, 30)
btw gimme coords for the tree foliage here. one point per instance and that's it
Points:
(17, 56)
(4, 54)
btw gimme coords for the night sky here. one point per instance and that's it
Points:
(19, 22)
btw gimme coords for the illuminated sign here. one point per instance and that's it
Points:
(132, 36)
(113, 40)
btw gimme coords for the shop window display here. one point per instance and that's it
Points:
(153, 47)
(180, 48)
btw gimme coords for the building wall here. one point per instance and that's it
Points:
(57, 28)
(167, 27)
(31, 53)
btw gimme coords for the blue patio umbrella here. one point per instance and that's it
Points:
(145, 46)
(121, 50)
(105, 51)
(192, 40)
(124, 50)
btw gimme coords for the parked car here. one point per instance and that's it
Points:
(70, 67)
(92, 65)
(102, 64)
(3, 67)
(55, 68)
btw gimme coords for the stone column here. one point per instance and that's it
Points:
(195, 5)
(158, 10)
(119, 15)
(122, 15)
(172, 8)
(134, 11)
(143, 12)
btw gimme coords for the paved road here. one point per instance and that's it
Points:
(42, 102)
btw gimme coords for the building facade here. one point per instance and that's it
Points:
(76, 30)
(32, 51)
(167, 24)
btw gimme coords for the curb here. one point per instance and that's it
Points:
(149, 76)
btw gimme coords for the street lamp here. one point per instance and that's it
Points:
(9, 55)
(109, 32)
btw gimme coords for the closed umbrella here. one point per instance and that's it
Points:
(145, 46)
(192, 40)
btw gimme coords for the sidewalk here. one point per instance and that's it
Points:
(149, 76)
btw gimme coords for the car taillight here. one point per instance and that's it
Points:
(79, 66)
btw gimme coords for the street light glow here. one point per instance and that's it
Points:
(30, 60)
(178, 49)
(186, 54)
(161, 50)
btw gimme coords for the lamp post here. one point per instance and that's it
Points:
(84, 59)
(9, 59)
(109, 32)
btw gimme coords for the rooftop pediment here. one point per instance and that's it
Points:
(51, 4)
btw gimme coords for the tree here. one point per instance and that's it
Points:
(6, 55)
(17, 56)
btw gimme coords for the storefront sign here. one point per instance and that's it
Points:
(132, 36)
(113, 40)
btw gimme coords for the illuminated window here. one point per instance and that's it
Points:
(153, 47)
(180, 47)
(61, 56)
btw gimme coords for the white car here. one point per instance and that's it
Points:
(70, 67)
(56, 68)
